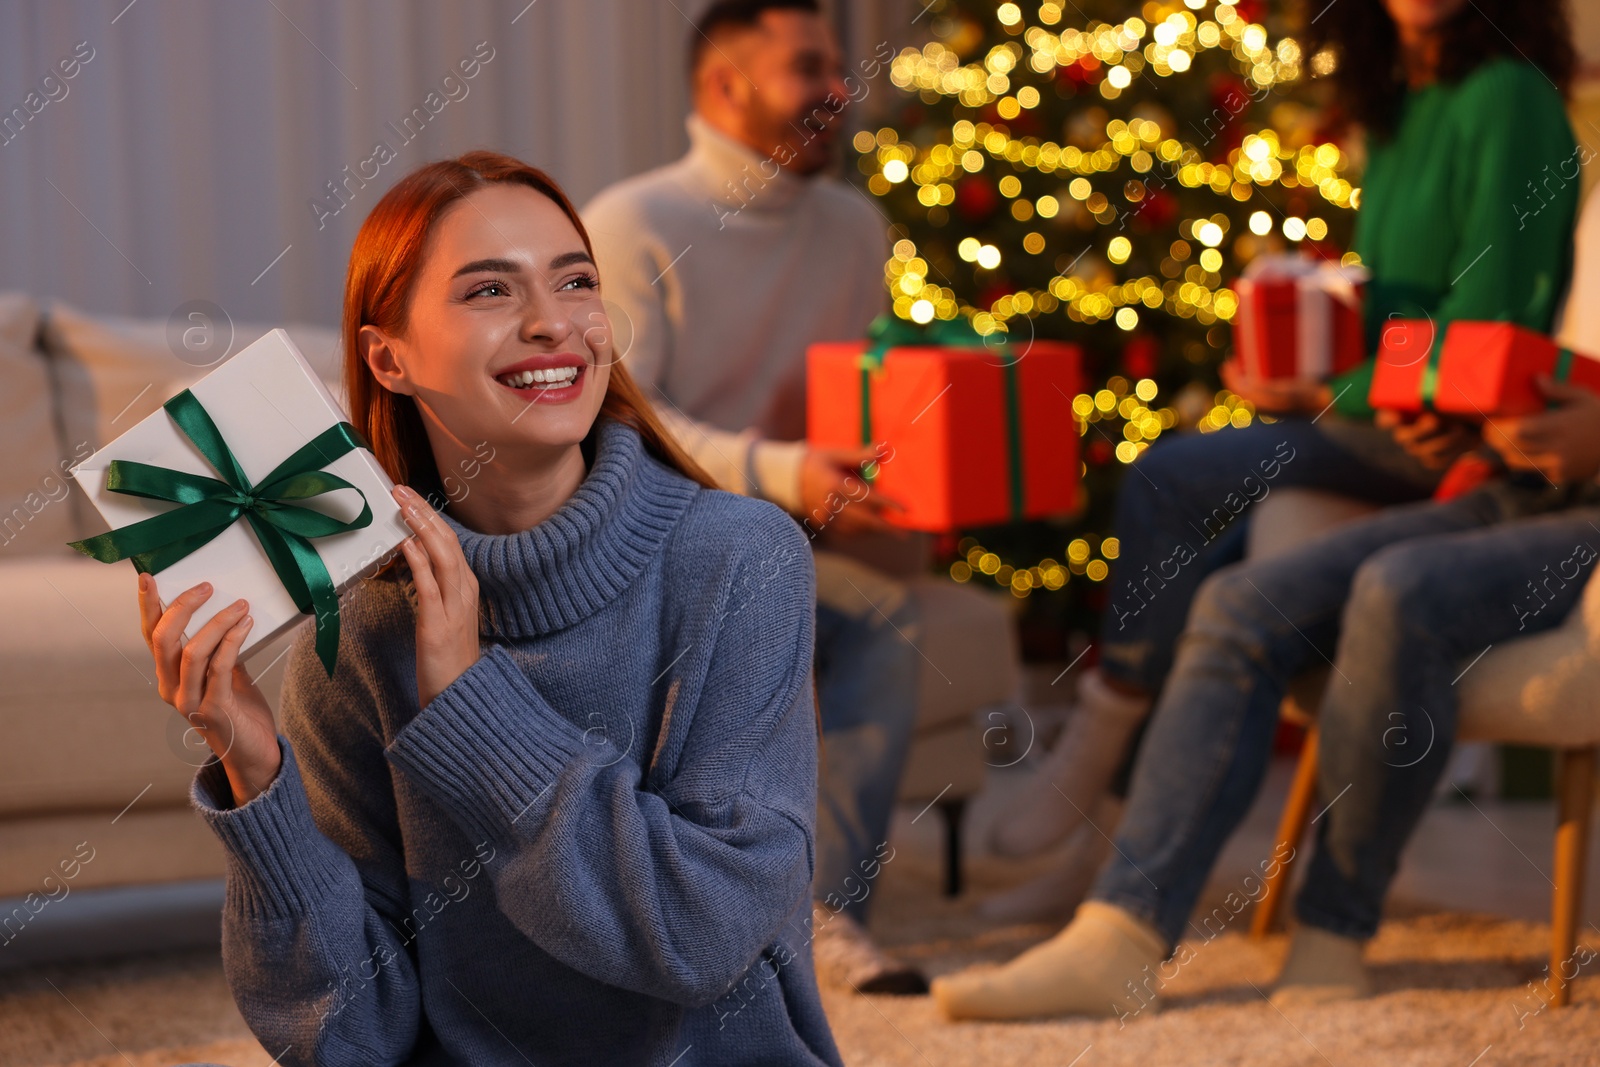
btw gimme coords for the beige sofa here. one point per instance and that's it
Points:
(95, 768)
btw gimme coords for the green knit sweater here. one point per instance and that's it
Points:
(1467, 211)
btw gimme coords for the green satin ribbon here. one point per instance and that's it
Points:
(1430, 381)
(211, 506)
(1562, 372)
(888, 332)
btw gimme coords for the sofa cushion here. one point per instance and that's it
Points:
(946, 763)
(1538, 689)
(968, 651)
(113, 371)
(84, 727)
(36, 508)
(146, 844)
(1286, 519)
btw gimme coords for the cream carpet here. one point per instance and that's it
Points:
(1453, 988)
(1453, 991)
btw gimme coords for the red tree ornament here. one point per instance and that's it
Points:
(976, 199)
(1140, 356)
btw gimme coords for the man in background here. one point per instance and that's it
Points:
(729, 263)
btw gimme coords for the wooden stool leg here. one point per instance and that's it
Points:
(1291, 827)
(1575, 788)
(951, 811)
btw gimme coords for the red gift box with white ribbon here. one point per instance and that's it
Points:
(1299, 318)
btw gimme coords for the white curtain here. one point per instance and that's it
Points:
(180, 160)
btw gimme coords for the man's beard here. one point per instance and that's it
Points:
(810, 148)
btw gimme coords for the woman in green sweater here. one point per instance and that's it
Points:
(1466, 212)
(1447, 200)
(1471, 182)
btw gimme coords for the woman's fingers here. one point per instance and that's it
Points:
(1448, 443)
(219, 673)
(1424, 425)
(1535, 432)
(195, 660)
(149, 608)
(418, 514)
(415, 548)
(436, 536)
(166, 637)
(421, 574)
(454, 583)
(447, 598)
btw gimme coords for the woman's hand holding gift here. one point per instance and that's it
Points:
(447, 598)
(1433, 441)
(204, 680)
(1563, 444)
(1277, 396)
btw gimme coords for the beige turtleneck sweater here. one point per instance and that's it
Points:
(727, 267)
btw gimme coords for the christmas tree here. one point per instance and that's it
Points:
(1100, 172)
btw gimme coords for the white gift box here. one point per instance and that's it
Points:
(267, 403)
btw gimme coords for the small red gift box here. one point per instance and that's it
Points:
(976, 435)
(1488, 369)
(1402, 372)
(1484, 369)
(1298, 318)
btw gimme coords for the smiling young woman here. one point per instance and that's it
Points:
(406, 388)
(589, 682)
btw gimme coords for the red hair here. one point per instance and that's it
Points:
(384, 265)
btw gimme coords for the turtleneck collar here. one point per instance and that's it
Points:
(739, 176)
(564, 569)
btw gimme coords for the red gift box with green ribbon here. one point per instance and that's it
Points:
(978, 431)
(1403, 374)
(1482, 370)
(1489, 369)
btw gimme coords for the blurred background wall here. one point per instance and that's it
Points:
(181, 160)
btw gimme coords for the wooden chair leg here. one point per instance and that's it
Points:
(951, 811)
(1575, 792)
(1291, 828)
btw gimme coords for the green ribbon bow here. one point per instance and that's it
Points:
(1429, 386)
(888, 332)
(1562, 372)
(1563, 364)
(211, 506)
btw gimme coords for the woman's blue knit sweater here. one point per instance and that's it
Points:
(594, 847)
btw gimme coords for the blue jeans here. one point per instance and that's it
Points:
(1176, 508)
(866, 667)
(1414, 590)
(1418, 612)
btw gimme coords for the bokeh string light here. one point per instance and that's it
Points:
(1123, 409)
(1187, 289)
(1149, 218)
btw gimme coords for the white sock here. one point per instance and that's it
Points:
(1054, 895)
(1321, 968)
(1104, 963)
(1075, 774)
